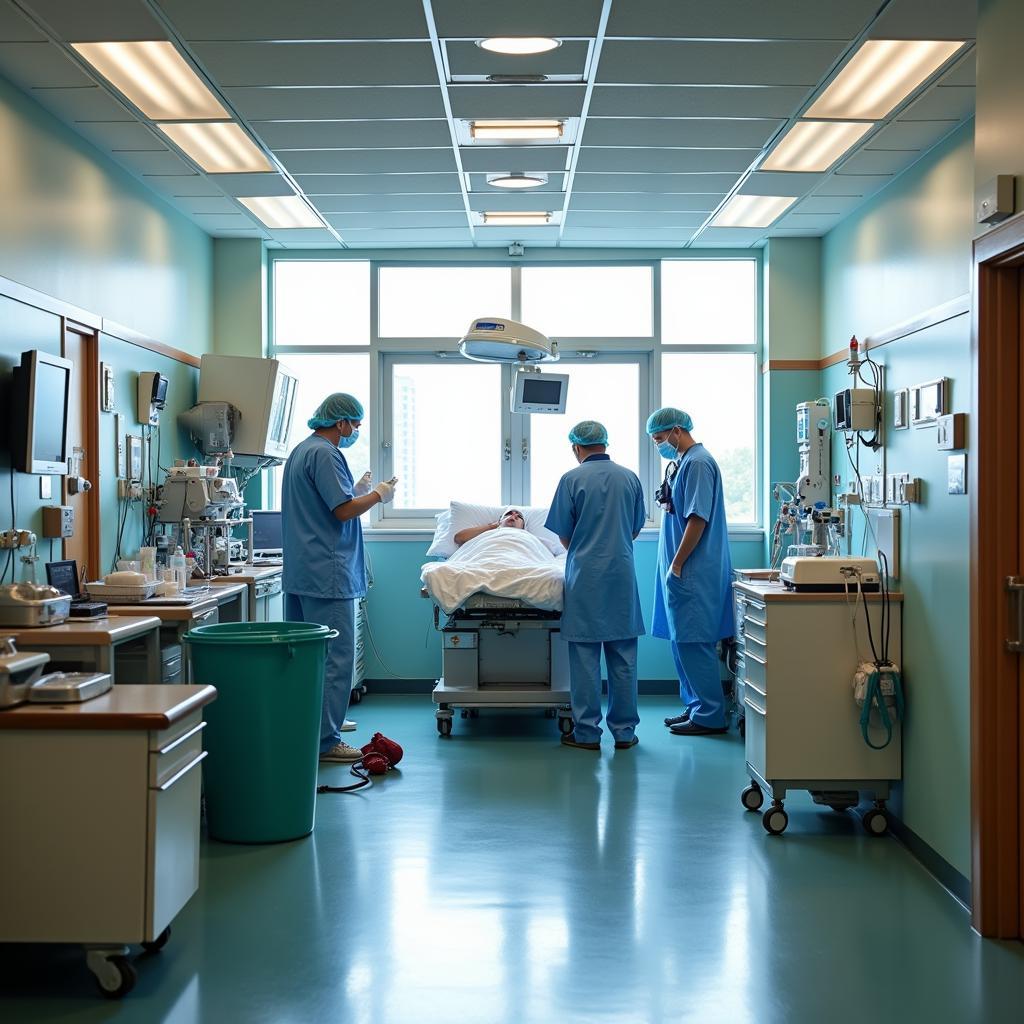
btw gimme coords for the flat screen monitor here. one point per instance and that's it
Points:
(39, 432)
(266, 533)
(64, 576)
(540, 392)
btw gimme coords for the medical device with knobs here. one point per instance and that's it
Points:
(814, 451)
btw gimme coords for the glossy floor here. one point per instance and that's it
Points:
(502, 879)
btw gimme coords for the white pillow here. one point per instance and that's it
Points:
(462, 514)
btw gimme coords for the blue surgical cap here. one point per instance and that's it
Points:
(338, 406)
(587, 433)
(666, 418)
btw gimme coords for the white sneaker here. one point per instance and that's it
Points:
(348, 725)
(341, 752)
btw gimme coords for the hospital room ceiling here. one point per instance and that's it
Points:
(665, 111)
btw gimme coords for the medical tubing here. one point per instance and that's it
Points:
(873, 695)
(867, 619)
(357, 769)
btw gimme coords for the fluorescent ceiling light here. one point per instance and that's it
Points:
(881, 74)
(219, 148)
(282, 211)
(517, 131)
(155, 77)
(518, 46)
(815, 145)
(493, 218)
(517, 180)
(752, 211)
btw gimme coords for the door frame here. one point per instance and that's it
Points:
(996, 485)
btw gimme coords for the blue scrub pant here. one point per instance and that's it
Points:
(700, 685)
(585, 686)
(338, 613)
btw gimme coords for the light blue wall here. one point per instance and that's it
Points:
(905, 252)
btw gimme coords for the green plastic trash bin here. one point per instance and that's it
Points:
(264, 737)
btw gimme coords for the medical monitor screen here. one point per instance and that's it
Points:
(266, 532)
(63, 576)
(540, 393)
(48, 426)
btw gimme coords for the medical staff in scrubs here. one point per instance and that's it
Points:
(324, 574)
(597, 511)
(693, 591)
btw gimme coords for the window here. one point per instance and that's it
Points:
(709, 302)
(446, 438)
(588, 301)
(321, 302)
(719, 391)
(440, 302)
(609, 392)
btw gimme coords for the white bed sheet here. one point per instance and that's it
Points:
(505, 563)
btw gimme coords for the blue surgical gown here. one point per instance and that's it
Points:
(598, 507)
(695, 607)
(322, 556)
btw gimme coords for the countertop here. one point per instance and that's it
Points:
(183, 612)
(253, 575)
(765, 591)
(86, 632)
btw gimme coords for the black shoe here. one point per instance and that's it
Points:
(569, 740)
(678, 719)
(626, 744)
(694, 729)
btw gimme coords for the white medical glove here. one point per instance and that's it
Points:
(363, 485)
(386, 491)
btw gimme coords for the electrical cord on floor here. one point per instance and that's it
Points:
(376, 651)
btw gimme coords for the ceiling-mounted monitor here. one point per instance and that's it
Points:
(539, 392)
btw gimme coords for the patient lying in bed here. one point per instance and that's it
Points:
(502, 561)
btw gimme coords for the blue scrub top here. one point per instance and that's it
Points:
(697, 606)
(323, 557)
(598, 507)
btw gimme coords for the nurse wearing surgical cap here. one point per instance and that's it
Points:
(693, 590)
(324, 574)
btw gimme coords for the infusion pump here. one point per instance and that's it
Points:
(813, 444)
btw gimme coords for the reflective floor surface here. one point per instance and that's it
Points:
(502, 879)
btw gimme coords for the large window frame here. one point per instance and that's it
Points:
(646, 352)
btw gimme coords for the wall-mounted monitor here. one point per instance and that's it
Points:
(40, 392)
(539, 392)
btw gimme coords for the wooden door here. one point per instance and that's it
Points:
(81, 346)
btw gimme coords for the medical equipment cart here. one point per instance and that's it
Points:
(800, 653)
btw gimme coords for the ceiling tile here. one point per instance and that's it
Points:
(469, 62)
(391, 203)
(316, 104)
(779, 183)
(963, 71)
(690, 133)
(480, 201)
(615, 235)
(109, 21)
(16, 28)
(844, 184)
(515, 158)
(471, 19)
(696, 101)
(298, 19)
(942, 103)
(728, 238)
(406, 236)
(669, 160)
(234, 65)
(208, 205)
(478, 184)
(154, 163)
(684, 184)
(367, 161)
(278, 244)
(910, 135)
(179, 186)
(506, 234)
(82, 103)
(253, 232)
(283, 135)
(940, 19)
(718, 63)
(642, 201)
(303, 234)
(376, 184)
(812, 223)
(636, 221)
(495, 101)
(837, 205)
(31, 65)
(120, 135)
(396, 221)
(881, 161)
(271, 184)
(225, 221)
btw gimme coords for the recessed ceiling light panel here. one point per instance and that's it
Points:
(508, 218)
(517, 180)
(282, 211)
(519, 46)
(880, 75)
(815, 145)
(515, 131)
(218, 147)
(752, 211)
(155, 77)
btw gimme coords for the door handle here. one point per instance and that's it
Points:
(508, 449)
(1015, 588)
(526, 449)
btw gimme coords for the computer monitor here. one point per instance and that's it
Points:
(540, 392)
(64, 576)
(39, 427)
(266, 533)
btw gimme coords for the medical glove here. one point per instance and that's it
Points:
(362, 485)
(667, 450)
(386, 491)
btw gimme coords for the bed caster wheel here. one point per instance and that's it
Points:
(876, 822)
(356, 697)
(565, 726)
(752, 798)
(444, 726)
(159, 942)
(115, 975)
(775, 820)
(464, 713)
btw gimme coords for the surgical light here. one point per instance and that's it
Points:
(515, 131)
(879, 75)
(752, 211)
(282, 211)
(511, 218)
(218, 147)
(517, 180)
(815, 145)
(519, 46)
(155, 77)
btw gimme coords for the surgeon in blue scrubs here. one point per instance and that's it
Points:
(597, 512)
(693, 590)
(324, 574)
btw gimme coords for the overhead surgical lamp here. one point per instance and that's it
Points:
(497, 340)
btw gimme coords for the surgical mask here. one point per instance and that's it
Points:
(667, 450)
(347, 442)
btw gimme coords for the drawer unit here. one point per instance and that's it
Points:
(755, 629)
(755, 671)
(175, 754)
